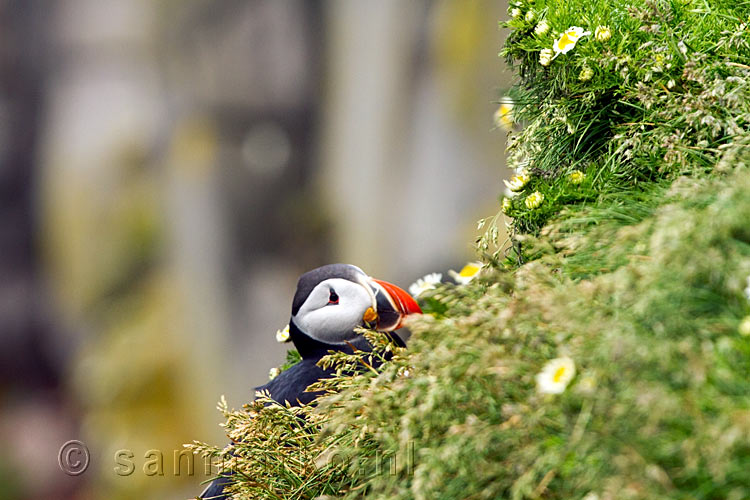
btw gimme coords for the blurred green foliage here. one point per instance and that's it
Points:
(104, 243)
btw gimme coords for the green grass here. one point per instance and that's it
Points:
(667, 91)
(638, 274)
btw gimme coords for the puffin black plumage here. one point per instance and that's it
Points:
(329, 304)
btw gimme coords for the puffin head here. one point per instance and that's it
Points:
(331, 301)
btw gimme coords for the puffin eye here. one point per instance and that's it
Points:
(333, 298)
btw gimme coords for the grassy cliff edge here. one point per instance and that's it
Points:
(605, 353)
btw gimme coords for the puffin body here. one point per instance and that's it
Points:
(329, 304)
(290, 385)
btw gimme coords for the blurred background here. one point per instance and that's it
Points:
(170, 167)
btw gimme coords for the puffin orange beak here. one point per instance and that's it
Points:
(393, 305)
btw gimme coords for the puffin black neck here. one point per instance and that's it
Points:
(310, 348)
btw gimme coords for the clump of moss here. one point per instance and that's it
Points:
(635, 271)
(660, 407)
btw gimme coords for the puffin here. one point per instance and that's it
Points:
(330, 303)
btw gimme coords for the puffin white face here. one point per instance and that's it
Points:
(333, 309)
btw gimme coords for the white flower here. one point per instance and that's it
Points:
(586, 74)
(534, 200)
(530, 16)
(744, 328)
(542, 27)
(545, 56)
(747, 288)
(507, 205)
(503, 117)
(467, 273)
(671, 83)
(282, 335)
(555, 376)
(576, 177)
(568, 40)
(515, 12)
(425, 283)
(587, 385)
(602, 33)
(273, 373)
(518, 181)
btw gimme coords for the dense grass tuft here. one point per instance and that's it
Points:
(658, 99)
